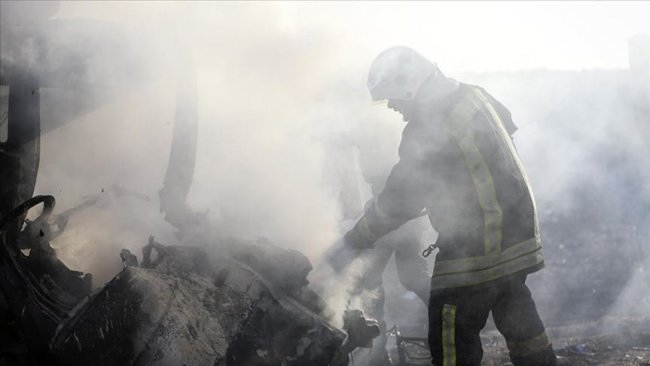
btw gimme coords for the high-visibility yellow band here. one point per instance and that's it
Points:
(505, 136)
(534, 345)
(458, 127)
(449, 335)
(529, 261)
(469, 264)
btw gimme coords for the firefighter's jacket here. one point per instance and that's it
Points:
(458, 162)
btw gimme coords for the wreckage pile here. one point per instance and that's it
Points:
(189, 307)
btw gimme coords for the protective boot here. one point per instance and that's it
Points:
(543, 358)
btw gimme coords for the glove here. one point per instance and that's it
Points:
(346, 250)
(340, 255)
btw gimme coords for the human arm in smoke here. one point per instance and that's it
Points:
(401, 200)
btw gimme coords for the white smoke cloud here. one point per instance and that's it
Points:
(278, 82)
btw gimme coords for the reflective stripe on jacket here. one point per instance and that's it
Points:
(458, 161)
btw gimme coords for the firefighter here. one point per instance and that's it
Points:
(459, 165)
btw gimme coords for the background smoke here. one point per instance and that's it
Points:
(281, 91)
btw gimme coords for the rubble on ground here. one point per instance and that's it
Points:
(610, 341)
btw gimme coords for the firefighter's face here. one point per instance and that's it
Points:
(401, 106)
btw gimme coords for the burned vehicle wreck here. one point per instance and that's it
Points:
(181, 308)
(214, 300)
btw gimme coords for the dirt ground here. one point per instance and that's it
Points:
(607, 342)
(611, 341)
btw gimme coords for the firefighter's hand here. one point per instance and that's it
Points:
(346, 250)
(339, 255)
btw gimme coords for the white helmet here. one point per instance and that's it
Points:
(398, 73)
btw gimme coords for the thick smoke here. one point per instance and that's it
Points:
(282, 106)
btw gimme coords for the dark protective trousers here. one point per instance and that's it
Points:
(456, 316)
